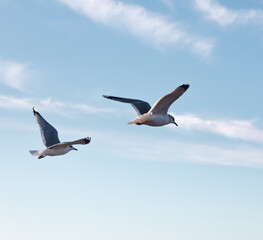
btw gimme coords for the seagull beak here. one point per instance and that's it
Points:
(75, 149)
(175, 124)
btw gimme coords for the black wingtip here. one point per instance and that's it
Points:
(185, 86)
(106, 96)
(87, 140)
(110, 97)
(34, 110)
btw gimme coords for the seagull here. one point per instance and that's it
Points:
(157, 115)
(50, 139)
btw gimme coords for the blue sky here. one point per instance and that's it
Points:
(201, 180)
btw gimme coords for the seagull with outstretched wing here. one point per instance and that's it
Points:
(156, 115)
(50, 139)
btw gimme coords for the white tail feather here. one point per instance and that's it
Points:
(34, 152)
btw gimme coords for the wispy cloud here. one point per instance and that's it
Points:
(224, 16)
(151, 27)
(141, 147)
(48, 104)
(148, 149)
(238, 129)
(168, 3)
(10, 102)
(14, 74)
(145, 148)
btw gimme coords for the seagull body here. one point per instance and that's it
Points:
(51, 151)
(154, 120)
(50, 139)
(157, 115)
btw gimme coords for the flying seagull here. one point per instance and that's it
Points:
(156, 115)
(50, 139)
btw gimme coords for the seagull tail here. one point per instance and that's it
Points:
(132, 122)
(34, 152)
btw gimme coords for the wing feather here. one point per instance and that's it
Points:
(48, 133)
(140, 106)
(163, 104)
(81, 141)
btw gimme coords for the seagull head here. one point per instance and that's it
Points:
(171, 120)
(72, 148)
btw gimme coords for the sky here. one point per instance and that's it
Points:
(200, 180)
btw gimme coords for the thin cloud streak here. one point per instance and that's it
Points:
(225, 17)
(238, 129)
(151, 27)
(48, 104)
(138, 147)
(10, 102)
(14, 74)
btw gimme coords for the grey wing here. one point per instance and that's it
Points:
(140, 106)
(82, 141)
(48, 133)
(163, 104)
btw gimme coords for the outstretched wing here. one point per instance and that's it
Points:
(48, 133)
(82, 141)
(163, 104)
(140, 106)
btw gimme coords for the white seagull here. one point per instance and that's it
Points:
(157, 115)
(50, 139)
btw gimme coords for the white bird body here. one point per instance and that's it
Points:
(154, 120)
(157, 115)
(52, 151)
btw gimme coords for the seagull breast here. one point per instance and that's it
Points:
(56, 151)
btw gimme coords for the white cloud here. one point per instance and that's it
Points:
(48, 104)
(168, 3)
(238, 129)
(224, 16)
(14, 74)
(151, 27)
(11, 102)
